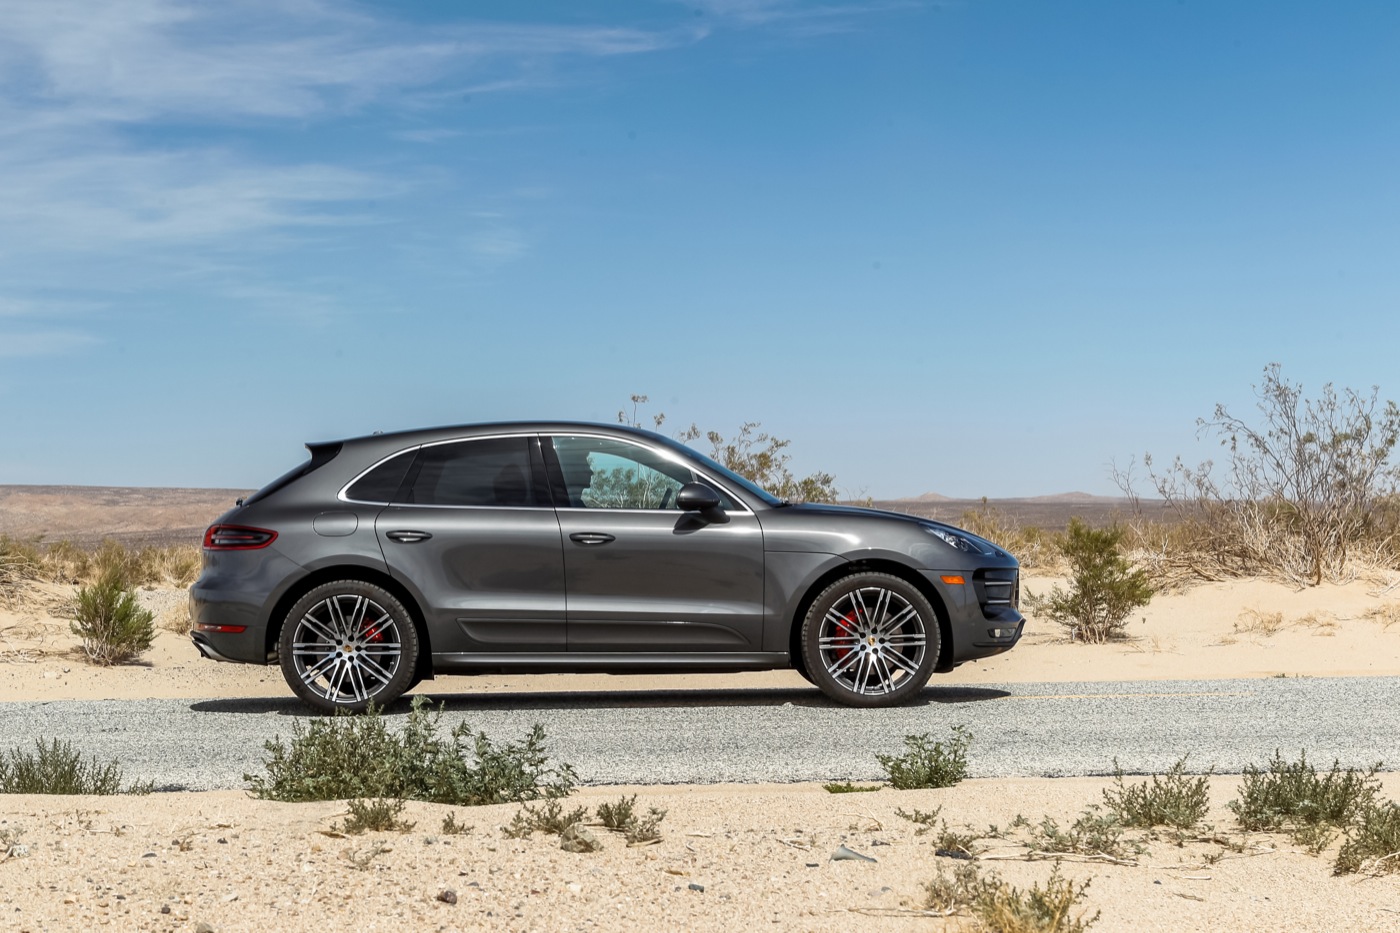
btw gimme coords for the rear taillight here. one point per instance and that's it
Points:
(237, 538)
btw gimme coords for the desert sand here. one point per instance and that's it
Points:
(762, 854)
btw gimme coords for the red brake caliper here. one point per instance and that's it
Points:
(847, 636)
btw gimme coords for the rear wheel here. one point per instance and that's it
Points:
(870, 639)
(347, 644)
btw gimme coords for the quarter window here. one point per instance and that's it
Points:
(382, 483)
(490, 472)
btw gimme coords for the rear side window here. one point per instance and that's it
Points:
(382, 483)
(489, 472)
(321, 454)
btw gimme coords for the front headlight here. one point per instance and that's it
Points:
(951, 538)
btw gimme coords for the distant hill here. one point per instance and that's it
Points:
(86, 515)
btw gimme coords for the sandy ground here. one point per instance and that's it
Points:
(751, 857)
(761, 853)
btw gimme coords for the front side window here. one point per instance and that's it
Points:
(602, 473)
(490, 472)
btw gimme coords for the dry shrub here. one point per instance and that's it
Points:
(1035, 548)
(1254, 622)
(113, 627)
(1387, 614)
(1308, 491)
(18, 565)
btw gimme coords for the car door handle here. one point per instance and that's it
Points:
(590, 537)
(408, 537)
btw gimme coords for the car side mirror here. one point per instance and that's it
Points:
(697, 497)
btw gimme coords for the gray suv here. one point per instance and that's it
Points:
(543, 547)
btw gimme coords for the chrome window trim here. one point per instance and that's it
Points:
(663, 453)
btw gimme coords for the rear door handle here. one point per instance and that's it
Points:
(590, 537)
(408, 537)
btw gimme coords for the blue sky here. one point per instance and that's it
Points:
(981, 248)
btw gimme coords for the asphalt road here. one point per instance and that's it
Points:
(788, 735)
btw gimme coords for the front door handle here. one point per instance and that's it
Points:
(590, 537)
(408, 537)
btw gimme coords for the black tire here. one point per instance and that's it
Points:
(870, 639)
(347, 644)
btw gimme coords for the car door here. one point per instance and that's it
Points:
(640, 574)
(473, 532)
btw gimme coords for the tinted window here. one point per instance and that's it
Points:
(382, 483)
(601, 473)
(495, 471)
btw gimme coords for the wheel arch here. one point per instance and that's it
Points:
(873, 565)
(277, 617)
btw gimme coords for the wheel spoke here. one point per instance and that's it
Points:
(902, 661)
(882, 608)
(374, 629)
(318, 627)
(843, 664)
(357, 617)
(912, 640)
(357, 682)
(886, 675)
(313, 671)
(895, 622)
(337, 616)
(863, 673)
(376, 669)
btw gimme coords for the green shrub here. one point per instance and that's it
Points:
(1176, 800)
(1372, 845)
(358, 756)
(549, 817)
(450, 826)
(928, 764)
(1001, 908)
(380, 815)
(1293, 797)
(113, 627)
(1092, 833)
(622, 817)
(1104, 587)
(58, 768)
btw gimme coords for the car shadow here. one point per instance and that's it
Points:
(544, 701)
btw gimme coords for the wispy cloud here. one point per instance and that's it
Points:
(795, 16)
(44, 343)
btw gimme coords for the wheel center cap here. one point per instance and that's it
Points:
(872, 641)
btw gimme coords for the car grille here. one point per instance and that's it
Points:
(997, 589)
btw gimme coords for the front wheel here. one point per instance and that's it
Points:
(348, 644)
(870, 639)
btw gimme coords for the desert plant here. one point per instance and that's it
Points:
(1293, 797)
(925, 819)
(1092, 833)
(1034, 547)
(113, 626)
(380, 815)
(19, 563)
(1372, 844)
(358, 756)
(450, 826)
(752, 453)
(1176, 799)
(549, 817)
(846, 787)
(1304, 487)
(1001, 908)
(926, 763)
(1104, 586)
(623, 817)
(58, 768)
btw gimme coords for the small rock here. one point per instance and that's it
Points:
(696, 887)
(149, 855)
(447, 896)
(165, 908)
(843, 854)
(18, 850)
(878, 842)
(575, 887)
(952, 853)
(579, 838)
(814, 865)
(881, 891)
(202, 927)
